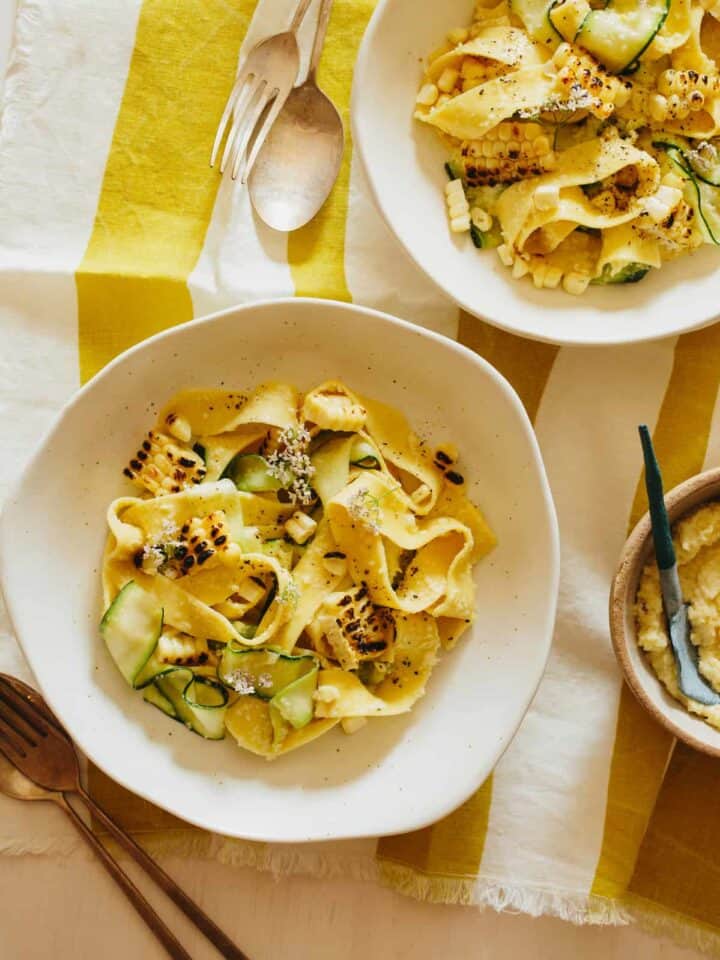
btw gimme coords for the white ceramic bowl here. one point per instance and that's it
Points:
(404, 162)
(396, 774)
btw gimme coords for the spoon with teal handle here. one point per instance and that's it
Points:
(691, 683)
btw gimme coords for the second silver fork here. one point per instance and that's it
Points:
(262, 86)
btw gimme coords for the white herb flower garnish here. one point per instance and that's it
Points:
(291, 466)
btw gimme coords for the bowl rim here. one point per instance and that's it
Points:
(626, 578)
(451, 801)
(362, 65)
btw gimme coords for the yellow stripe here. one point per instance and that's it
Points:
(454, 846)
(158, 190)
(316, 252)
(642, 748)
(679, 862)
(154, 209)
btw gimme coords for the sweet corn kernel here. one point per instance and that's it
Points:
(448, 79)
(353, 724)
(575, 283)
(553, 276)
(505, 254)
(442, 99)
(538, 275)
(519, 268)
(658, 107)
(460, 224)
(300, 527)
(547, 196)
(481, 219)
(427, 96)
(178, 427)
(454, 187)
(458, 209)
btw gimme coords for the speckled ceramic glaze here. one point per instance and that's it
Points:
(394, 775)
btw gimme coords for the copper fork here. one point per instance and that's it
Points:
(35, 748)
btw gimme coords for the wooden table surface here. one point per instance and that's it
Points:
(68, 908)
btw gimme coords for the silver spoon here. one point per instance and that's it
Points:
(300, 160)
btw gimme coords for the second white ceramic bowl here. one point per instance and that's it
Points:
(404, 162)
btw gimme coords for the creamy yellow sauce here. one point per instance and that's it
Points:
(697, 545)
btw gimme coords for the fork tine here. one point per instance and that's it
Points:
(25, 709)
(20, 726)
(243, 109)
(12, 745)
(261, 136)
(252, 122)
(235, 93)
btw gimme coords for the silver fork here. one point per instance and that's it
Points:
(265, 80)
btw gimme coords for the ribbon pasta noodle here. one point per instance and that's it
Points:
(291, 561)
(582, 137)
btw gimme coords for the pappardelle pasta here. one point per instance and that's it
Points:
(582, 136)
(294, 561)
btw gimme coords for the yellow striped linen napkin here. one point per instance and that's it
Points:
(113, 227)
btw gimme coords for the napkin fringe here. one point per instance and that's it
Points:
(682, 930)
(578, 908)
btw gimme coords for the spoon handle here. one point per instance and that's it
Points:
(178, 896)
(164, 934)
(319, 41)
(302, 9)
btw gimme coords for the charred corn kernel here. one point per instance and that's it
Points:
(575, 283)
(658, 107)
(505, 254)
(448, 79)
(460, 224)
(519, 268)
(677, 233)
(202, 541)
(427, 96)
(161, 466)
(661, 204)
(678, 107)
(507, 153)
(684, 82)
(335, 563)
(547, 196)
(696, 100)
(182, 650)
(353, 724)
(178, 427)
(586, 85)
(458, 35)
(553, 276)
(481, 219)
(300, 527)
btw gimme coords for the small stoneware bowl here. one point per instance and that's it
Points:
(635, 665)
